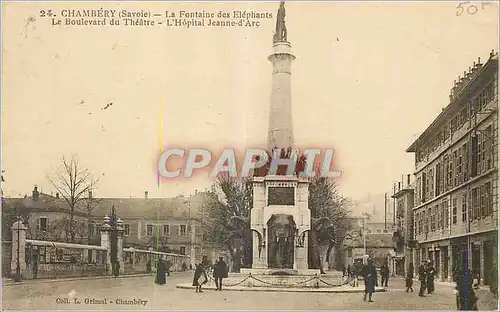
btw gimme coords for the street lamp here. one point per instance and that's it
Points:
(18, 264)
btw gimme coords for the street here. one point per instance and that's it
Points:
(140, 293)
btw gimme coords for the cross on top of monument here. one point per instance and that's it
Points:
(280, 34)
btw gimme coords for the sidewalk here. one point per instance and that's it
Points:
(10, 281)
(6, 282)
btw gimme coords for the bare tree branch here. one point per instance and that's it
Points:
(72, 182)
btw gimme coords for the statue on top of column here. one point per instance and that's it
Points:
(280, 35)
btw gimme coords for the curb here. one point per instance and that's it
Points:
(10, 282)
(271, 289)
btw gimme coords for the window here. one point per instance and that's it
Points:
(449, 176)
(454, 124)
(454, 211)
(489, 155)
(91, 229)
(432, 213)
(42, 224)
(482, 201)
(465, 151)
(349, 253)
(474, 155)
(126, 229)
(149, 230)
(166, 230)
(475, 203)
(489, 198)
(464, 207)
(182, 230)
(439, 179)
(182, 249)
(426, 220)
(459, 175)
(424, 188)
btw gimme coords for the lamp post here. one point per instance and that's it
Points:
(18, 264)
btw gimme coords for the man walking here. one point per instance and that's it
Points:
(422, 279)
(384, 272)
(430, 273)
(220, 272)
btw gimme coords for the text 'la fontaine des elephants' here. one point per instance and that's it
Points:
(180, 18)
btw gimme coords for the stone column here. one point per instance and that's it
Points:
(106, 242)
(18, 240)
(132, 249)
(121, 231)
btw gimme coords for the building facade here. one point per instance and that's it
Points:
(161, 224)
(456, 174)
(403, 232)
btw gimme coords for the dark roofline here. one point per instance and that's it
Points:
(413, 147)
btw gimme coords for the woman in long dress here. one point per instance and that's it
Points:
(200, 277)
(161, 269)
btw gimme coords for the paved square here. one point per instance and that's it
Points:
(37, 295)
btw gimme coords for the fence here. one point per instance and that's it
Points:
(145, 261)
(53, 260)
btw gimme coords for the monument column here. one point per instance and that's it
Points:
(280, 116)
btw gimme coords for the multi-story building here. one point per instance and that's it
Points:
(456, 171)
(403, 232)
(167, 224)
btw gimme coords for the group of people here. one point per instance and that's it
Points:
(200, 274)
(426, 274)
(220, 271)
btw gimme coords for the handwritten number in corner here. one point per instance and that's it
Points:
(470, 8)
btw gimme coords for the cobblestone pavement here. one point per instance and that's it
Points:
(45, 296)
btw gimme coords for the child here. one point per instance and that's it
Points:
(409, 282)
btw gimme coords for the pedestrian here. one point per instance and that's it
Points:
(344, 271)
(466, 298)
(148, 266)
(199, 272)
(220, 272)
(409, 281)
(430, 273)
(349, 271)
(161, 269)
(370, 279)
(384, 273)
(422, 279)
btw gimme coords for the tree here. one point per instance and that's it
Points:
(88, 205)
(72, 182)
(329, 210)
(226, 216)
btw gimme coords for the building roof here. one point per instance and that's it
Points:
(447, 111)
(125, 208)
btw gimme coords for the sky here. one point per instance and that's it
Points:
(369, 77)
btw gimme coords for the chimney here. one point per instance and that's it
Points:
(90, 194)
(146, 194)
(35, 194)
(399, 186)
(57, 195)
